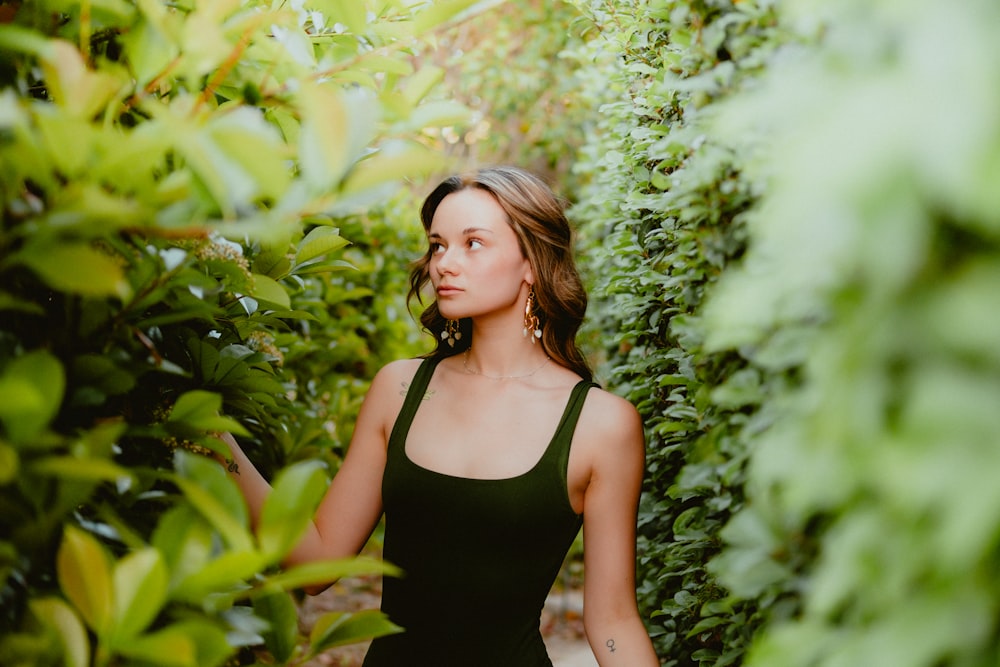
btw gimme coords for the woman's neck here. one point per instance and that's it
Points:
(503, 353)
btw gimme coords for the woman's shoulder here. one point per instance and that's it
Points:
(393, 377)
(399, 368)
(609, 418)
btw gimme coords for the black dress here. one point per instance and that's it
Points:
(479, 555)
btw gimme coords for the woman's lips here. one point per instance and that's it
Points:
(447, 290)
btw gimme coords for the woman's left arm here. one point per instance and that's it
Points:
(617, 451)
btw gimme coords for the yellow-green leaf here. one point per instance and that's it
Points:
(217, 512)
(336, 128)
(140, 587)
(443, 11)
(76, 268)
(9, 463)
(268, 289)
(85, 578)
(339, 628)
(71, 467)
(323, 572)
(421, 83)
(393, 163)
(55, 614)
(281, 613)
(192, 643)
(31, 391)
(223, 575)
(77, 89)
(319, 241)
(289, 507)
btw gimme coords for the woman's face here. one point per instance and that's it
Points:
(476, 265)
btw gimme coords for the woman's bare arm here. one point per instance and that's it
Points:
(615, 444)
(352, 505)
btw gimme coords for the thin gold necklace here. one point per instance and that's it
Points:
(465, 365)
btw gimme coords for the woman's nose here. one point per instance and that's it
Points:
(445, 263)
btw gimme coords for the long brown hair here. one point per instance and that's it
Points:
(536, 215)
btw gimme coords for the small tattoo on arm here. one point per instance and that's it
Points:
(232, 466)
(611, 645)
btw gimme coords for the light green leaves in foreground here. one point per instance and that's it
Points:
(119, 600)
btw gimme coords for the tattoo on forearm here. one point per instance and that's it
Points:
(232, 466)
(611, 645)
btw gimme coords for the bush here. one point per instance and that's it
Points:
(173, 182)
(663, 206)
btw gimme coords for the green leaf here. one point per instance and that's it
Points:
(190, 643)
(272, 263)
(77, 268)
(75, 88)
(439, 113)
(289, 508)
(148, 45)
(103, 373)
(323, 266)
(393, 163)
(200, 409)
(339, 628)
(215, 496)
(247, 139)
(72, 467)
(31, 391)
(320, 241)
(282, 615)
(325, 145)
(349, 12)
(68, 140)
(9, 463)
(55, 614)
(318, 573)
(421, 83)
(437, 13)
(225, 574)
(85, 578)
(140, 588)
(268, 289)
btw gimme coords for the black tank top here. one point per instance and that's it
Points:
(479, 555)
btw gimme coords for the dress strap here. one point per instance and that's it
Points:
(563, 437)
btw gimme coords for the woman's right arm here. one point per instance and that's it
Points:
(352, 505)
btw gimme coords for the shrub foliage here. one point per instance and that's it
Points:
(174, 180)
(795, 211)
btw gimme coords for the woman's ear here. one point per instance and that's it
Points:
(529, 274)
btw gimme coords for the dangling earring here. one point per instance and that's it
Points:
(451, 332)
(531, 323)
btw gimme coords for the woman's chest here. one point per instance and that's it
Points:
(484, 435)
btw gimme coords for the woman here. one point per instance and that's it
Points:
(488, 455)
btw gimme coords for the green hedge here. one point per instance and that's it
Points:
(795, 208)
(874, 263)
(663, 213)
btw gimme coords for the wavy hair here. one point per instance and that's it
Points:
(537, 217)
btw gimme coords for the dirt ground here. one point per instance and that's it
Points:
(562, 623)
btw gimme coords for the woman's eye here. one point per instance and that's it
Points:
(436, 248)
(475, 243)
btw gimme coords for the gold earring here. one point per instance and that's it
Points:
(451, 332)
(531, 324)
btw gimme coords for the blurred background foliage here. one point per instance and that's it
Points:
(787, 214)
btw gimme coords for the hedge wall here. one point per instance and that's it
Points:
(662, 214)
(795, 208)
